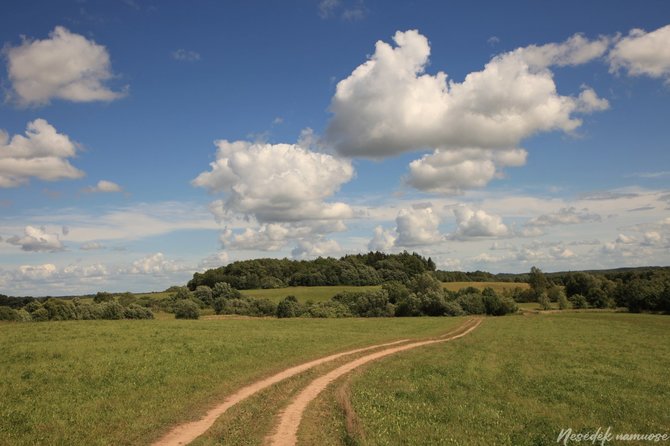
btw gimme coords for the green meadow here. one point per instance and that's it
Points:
(514, 381)
(124, 382)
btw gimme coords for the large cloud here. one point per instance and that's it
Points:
(37, 239)
(564, 216)
(417, 226)
(42, 154)
(389, 105)
(477, 223)
(641, 53)
(64, 66)
(277, 182)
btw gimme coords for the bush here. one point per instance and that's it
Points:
(225, 291)
(261, 307)
(563, 302)
(543, 300)
(60, 310)
(327, 309)
(8, 314)
(452, 308)
(409, 305)
(186, 309)
(433, 303)
(204, 294)
(578, 301)
(134, 311)
(111, 311)
(102, 296)
(472, 303)
(289, 307)
(233, 306)
(40, 315)
(367, 303)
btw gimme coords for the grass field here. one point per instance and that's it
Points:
(514, 381)
(122, 382)
(497, 286)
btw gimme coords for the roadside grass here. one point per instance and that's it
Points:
(518, 380)
(126, 382)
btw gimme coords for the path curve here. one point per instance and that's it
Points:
(287, 430)
(187, 432)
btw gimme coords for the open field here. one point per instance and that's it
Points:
(514, 381)
(497, 286)
(123, 382)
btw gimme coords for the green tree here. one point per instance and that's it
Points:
(538, 281)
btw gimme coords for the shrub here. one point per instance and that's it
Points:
(225, 290)
(186, 309)
(60, 310)
(543, 300)
(578, 301)
(40, 315)
(204, 294)
(8, 314)
(111, 310)
(289, 307)
(433, 303)
(126, 299)
(328, 309)
(367, 304)
(409, 305)
(134, 311)
(472, 303)
(563, 302)
(261, 307)
(233, 306)
(102, 296)
(452, 308)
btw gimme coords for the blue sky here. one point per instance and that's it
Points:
(143, 141)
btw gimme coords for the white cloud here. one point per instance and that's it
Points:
(41, 154)
(155, 264)
(33, 272)
(275, 236)
(643, 53)
(64, 66)
(277, 183)
(183, 55)
(104, 186)
(327, 8)
(416, 227)
(565, 216)
(216, 260)
(383, 239)
(389, 105)
(472, 224)
(316, 248)
(37, 240)
(451, 171)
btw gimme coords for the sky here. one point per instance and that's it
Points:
(142, 141)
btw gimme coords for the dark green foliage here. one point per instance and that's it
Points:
(8, 314)
(14, 302)
(60, 310)
(134, 311)
(328, 309)
(223, 290)
(103, 296)
(424, 283)
(538, 281)
(261, 307)
(578, 301)
(543, 300)
(367, 303)
(186, 309)
(40, 315)
(204, 294)
(373, 268)
(555, 293)
(289, 307)
(111, 310)
(125, 299)
(496, 305)
(472, 303)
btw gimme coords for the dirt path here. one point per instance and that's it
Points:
(187, 432)
(287, 428)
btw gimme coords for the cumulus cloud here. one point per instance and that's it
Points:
(315, 248)
(477, 223)
(643, 53)
(389, 105)
(33, 272)
(452, 171)
(216, 260)
(64, 66)
(155, 264)
(91, 246)
(417, 226)
(104, 186)
(275, 236)
(37, 240)
(42, 153)
(564, 216)
(277, 182)
(383, 239)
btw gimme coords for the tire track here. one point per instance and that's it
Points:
(185, 433)
(289, 422)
